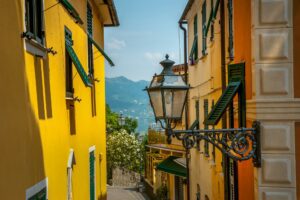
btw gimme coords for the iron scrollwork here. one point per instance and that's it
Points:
(240, 144)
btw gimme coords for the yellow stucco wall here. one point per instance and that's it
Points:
(205, 80)
(35, 126)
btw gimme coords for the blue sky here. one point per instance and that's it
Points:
(149, 29)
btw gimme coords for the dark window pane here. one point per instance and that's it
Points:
(69, 76)
(90, 58)
(39, 21)
(30, 16)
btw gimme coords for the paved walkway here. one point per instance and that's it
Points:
(121, 193)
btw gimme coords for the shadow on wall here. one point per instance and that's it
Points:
(21, 153)
(42, 78)
(102, 197)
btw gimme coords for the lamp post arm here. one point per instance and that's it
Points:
(240, 144)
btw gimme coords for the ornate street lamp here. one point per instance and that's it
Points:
(168, 95)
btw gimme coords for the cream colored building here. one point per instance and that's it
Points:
(262, 34)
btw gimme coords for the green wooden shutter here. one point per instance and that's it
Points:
(195, 56)
(101, 50)
(72, 11)
(90, 44)
(212, 35)
(78, 66)
(204, 45)
(220, 107)
(89, 19)
(236, 72)
(194, 49)
(92, 175)
(206, 147)
(197, 113)
(213, 148)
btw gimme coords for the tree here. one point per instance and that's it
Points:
(123, 150)
(112, 122)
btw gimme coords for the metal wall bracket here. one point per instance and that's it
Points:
(240, 144)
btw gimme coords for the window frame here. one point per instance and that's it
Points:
(36, 189)
(92, 159)
(68, 67)
(34, 20)
(204, 41)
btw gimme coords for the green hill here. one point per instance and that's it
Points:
(127, 97)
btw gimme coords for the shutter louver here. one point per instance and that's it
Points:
(72, 11)
(206, 147)
(220, 107)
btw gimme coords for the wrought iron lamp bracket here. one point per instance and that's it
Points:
(240, 144)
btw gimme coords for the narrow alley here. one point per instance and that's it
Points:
(124, 193)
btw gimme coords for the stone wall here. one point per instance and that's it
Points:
(273, 102)
(125, 178)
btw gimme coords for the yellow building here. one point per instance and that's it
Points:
(52, 117)
(165, 166)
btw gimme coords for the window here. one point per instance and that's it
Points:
(206, 146)
(194, 50)
(212, 24)
(69, 70)
(71, 162)
(92, 173)
(34, 20)
(90, 44)
(196, 36)
(198, 194)
(75, 60)
(178, 188)
(204, 45)
(38, 192)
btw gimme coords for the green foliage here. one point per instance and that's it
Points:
(112, 122)
(124, 150)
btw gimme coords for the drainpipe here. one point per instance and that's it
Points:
(223, 82)
(187, 153)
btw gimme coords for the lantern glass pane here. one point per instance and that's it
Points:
(174, 102)
(157, 81)
(156, 99)
(174, 81)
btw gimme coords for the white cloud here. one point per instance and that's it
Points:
(154, 56)
(116, 44)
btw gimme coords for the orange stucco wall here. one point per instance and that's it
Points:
(297, 134)
(296, 35)
(242, 49)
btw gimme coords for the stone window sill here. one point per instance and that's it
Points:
(35, 48)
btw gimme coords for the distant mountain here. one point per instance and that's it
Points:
(127, 97)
